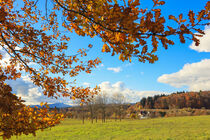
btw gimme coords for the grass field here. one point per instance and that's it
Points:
(174, 128)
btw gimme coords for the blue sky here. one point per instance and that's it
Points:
(144, 76)
(181, 67)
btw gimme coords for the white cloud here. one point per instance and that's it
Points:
(6, 57)
(204, 42)
(115, 69)
(25, 89)
(5, 60)
(31, 94)
(86, 84)
(34, 92)
(196, 76)
(27, 79)
(131, 95)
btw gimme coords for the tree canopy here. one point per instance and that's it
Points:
(37, 36)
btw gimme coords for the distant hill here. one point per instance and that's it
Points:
(57, 105)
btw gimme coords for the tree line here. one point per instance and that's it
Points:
(177, 100)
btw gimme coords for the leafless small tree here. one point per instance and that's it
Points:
(101, 102)
(118, 100)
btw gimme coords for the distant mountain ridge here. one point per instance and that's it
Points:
(57, 105)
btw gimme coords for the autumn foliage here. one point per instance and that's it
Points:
(17, 118)
(179, 100)
(36, 36)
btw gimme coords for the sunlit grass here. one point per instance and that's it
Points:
(174, 128)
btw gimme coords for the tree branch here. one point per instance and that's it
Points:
(14, 52)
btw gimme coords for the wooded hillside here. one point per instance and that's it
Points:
(178, 100)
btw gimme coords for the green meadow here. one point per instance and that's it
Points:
(173, 128)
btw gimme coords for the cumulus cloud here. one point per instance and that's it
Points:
(130, 94)
(204, 42)
(31, 94)
(196, 76)
(115, 69)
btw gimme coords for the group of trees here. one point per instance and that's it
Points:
(115, 107)
(35, 34)
(149, 102)
(100, 107)
(178, 100)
